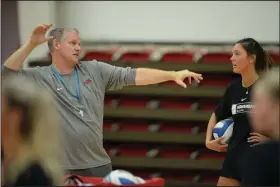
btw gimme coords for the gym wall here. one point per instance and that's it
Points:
(188, 21)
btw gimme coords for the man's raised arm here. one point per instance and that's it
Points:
(15, 61)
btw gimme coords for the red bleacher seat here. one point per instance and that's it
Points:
(184, 178)
(203, 129)
(100, 55)
(209, 154)
(108, 101)
(208, 104)
(180, 56)
(134, 126)
(210, 178)
(107, 126)
(274, 56)
(133, 102)
(167, 103)
(136, 56)
(173, 83)
(133, 150)
(175, 152)
(108, 148)
(216, 57)
(179, 175)
(216, 80)
(176, 128)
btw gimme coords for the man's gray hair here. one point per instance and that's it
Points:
(58, 34)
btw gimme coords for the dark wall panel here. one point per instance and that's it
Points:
(10, 40)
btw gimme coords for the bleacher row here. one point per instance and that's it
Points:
(159, 53)
(159, 130)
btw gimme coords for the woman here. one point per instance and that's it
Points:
(249, 59)
(29, 136)
(262, 165)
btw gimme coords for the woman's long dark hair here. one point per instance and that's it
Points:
(264, 61)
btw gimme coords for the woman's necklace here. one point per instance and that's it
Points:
(247, 88)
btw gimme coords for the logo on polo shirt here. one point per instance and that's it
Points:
(87, 81)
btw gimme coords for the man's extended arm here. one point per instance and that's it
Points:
(117, 77)
(146, 76)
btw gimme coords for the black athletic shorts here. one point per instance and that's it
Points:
(235, 161)
(100, 171)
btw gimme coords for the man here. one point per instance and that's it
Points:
(79, 89)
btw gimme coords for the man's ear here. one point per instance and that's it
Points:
(56, 44)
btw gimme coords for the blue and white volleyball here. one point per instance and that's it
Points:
(224, 129)
(139, 180)
(122, 177)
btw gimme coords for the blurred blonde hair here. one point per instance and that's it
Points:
(269, 82)
(39, 130)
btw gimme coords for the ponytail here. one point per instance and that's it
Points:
(267, 60)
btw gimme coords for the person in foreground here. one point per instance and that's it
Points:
(249, 59)
(262, 164)
(79, 89)
(29, 136)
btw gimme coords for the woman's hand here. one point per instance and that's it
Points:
(216, 145)
(257, 138)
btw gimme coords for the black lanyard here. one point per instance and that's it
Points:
(77, 96)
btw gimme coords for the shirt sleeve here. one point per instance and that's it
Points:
(32, 74)
(223, 109)
(114, 77)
